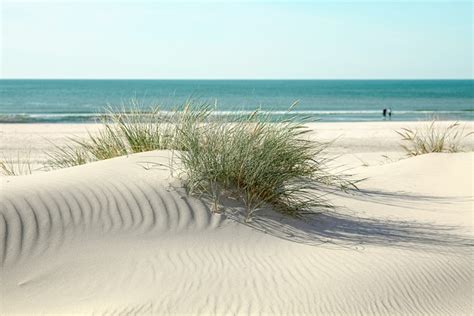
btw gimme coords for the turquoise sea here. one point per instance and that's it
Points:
(76, 101)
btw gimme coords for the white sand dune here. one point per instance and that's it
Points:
(117, 237)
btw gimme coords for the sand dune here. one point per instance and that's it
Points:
(121, 237)
(102, 198)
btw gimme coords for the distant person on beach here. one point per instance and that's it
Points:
(384, 112)
(390, 113)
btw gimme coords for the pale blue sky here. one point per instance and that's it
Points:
(238, 39)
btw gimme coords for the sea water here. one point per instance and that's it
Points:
(324, 100)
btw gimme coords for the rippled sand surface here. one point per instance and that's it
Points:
(121, 236)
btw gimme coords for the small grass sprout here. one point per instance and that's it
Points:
(16, 166)
(433, 138)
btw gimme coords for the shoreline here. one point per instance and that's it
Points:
(328, 121)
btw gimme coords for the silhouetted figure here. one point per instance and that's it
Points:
(384, 112)
(390, 113)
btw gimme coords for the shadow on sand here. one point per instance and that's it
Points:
(344, 228)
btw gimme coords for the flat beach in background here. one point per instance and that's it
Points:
(359, 143)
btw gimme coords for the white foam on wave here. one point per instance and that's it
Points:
(334, 114)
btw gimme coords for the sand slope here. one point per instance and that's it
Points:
(119, 237)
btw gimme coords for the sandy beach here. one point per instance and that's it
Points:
(356, 144)
(121, 236)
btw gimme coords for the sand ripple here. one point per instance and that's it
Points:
(114, 238)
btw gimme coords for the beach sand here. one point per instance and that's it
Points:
(121, 236)
(356, 144)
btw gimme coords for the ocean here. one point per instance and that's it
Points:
(78, 101)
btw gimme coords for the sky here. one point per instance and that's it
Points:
(236, 39)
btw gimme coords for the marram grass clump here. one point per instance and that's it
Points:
(252, 158)
(257, 160)
(433, 138)
(123, 132)
(15, 166)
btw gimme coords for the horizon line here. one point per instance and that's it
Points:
(237, 79)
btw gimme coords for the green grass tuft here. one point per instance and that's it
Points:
(260, 161)
(123, 132)
(66, 156)
(433, 138)
(15, 166)
(250, 157)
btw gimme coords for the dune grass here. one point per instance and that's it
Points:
(15, 166)
(70, 155)
(258, 160)
(124, 131)
(433, 138)
(251, 157)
